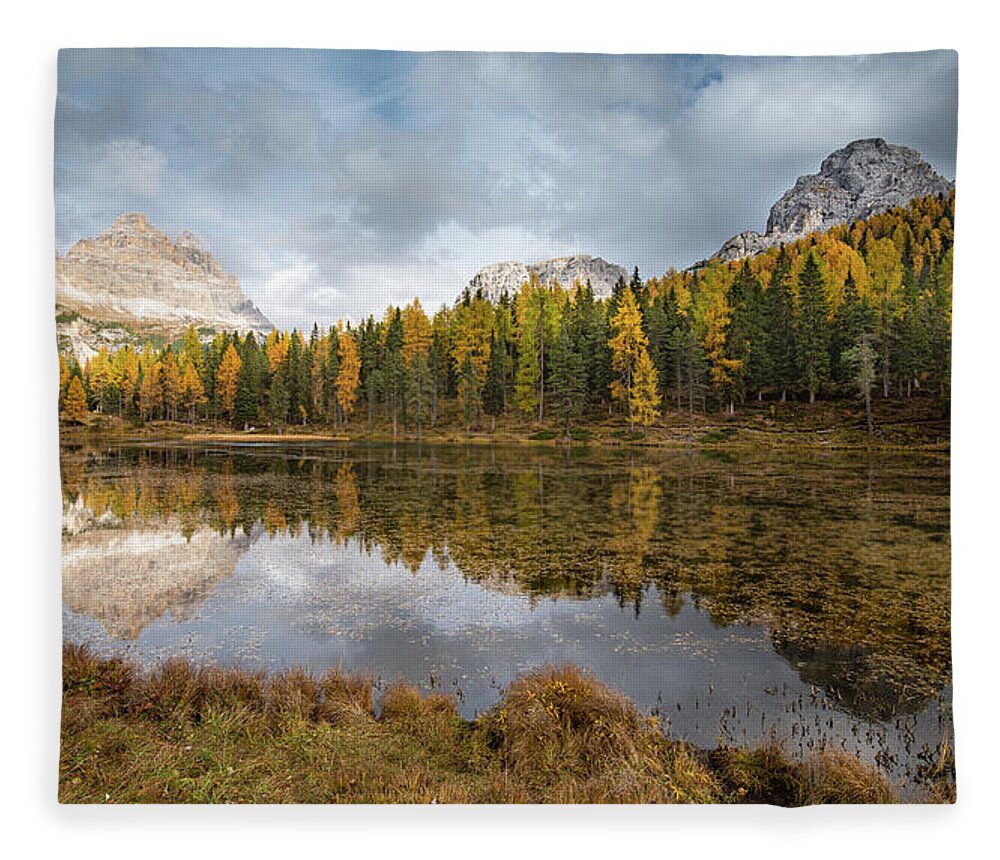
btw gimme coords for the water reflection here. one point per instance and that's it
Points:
(697, 581)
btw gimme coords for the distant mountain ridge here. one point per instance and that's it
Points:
(133, 275)
(861, 179)
(494, 279)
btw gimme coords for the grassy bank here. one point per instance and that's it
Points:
(186, 735)
(914, 424)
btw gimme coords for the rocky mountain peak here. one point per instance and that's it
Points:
(194, 252)
(134, 275)
(863, 178)
(508, 276)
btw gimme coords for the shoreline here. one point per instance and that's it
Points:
(186, 734)
(924, 436)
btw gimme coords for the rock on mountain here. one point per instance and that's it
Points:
(509, 276)
(131, 279)
(864, 178)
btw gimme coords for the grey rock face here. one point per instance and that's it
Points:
(494, 279)
(133, 275)
(862, 179)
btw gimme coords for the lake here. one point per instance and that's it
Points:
(735, 595)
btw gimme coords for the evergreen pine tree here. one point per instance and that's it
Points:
(781, 326)
(569, 379)
(812, 330)
(493, 389)
(853, 317)
(419, 391)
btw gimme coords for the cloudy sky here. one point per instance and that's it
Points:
(333, 183)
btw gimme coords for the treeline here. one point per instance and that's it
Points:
(863, 306)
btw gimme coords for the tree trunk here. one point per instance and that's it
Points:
(541, 385)
(628, 389)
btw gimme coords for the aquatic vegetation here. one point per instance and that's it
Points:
(184, 734)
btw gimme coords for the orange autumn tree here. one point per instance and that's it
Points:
(227, 380)
(348, 375)
(171, 384)
(637, 384)
(150, 392)
(417, 334)
(192, 390)
(75, 404)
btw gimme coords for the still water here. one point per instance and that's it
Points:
(735, 596)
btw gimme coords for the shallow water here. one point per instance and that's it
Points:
(735, 596)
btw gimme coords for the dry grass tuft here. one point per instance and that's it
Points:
(293, 695)
(562, 728)
(555, 718)
(769, 775)
(834, 776)
(347, 698)
(762, 775)
(86, 672)
(404, 704)
(558, 735)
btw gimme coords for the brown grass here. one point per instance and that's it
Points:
(768, 775)
(206, 735)
(564, 733)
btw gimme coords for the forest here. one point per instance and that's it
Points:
(862, 311)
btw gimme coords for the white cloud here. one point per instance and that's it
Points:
(333, 184)
(128, 166)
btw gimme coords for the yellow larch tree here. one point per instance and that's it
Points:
(126, 360)
(716, 320)
(417, 334)
(276, 348)
(636, 384)
(192, 390)
(171, 385)
(150, 393)
(348, 375)
(64, 376)
(645, 391)
(227, 380)
(75, 406)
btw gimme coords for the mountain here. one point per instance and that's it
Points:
(862, 179)
(132, 281)
(126, 574)
(497, 277)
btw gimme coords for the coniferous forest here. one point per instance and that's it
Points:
(861, 312)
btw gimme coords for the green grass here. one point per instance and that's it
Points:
(187, 735)
(723, 434)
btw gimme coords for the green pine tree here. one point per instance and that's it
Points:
(812, 328)
(569, 379)
(780, 315)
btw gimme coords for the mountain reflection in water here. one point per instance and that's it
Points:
(806, 594)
